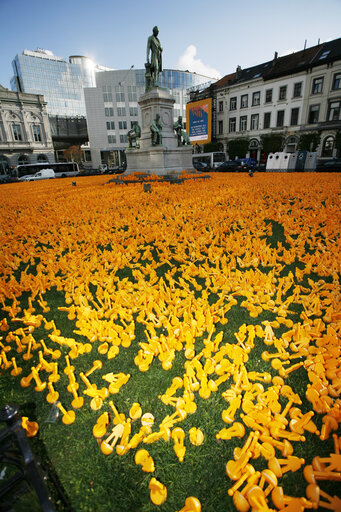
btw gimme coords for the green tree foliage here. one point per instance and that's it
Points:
(309, 141)
(238, 148)
(211, 146)
(272, 143)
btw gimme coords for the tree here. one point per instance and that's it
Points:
(272, 143)
(210, 147)
(309, 141)
(73, 154)
(238, 148)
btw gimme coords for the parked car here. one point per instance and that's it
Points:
(233, 166)
(6, 178)
(90, 172)
(118, 170)
(200, 166)
(332, 165)
(249, 162)
(44, 174)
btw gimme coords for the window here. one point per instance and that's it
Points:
(121, 111)
(87, 155)
(107, 96)
(291, 144)
(328, 146)
(122, 125)
(109, 112)
(16, 132)
(132, 96)
(267, 120)
(282, 93)
(123, 138)
(36, 133)
(297, 90)
(256, 98)
(176, 95)
(294, 116)
(119, 90)
(337, 81)
(314, 114)
(112, 139)
(133, 111)
(243, 123)
(244, 101)
(317, 85)
(233, 103)
(334, 111)
(268, 96)
(220, 127)
(280, 118)
(110, 125)
(221, 106)
(232, 124)
(254, 122)
(324, 55)
(23, 159)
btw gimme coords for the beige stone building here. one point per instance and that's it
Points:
(291, 97)
(25, 135)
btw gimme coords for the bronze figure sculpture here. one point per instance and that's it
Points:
(134, 135)
(156, 128)
(154, 65)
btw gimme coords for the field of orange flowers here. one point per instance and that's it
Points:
(177, 349)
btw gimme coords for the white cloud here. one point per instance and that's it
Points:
(189, 62)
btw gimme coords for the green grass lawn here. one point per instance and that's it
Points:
(172, 266)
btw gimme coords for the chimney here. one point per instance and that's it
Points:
(238, 70)
(275, 59)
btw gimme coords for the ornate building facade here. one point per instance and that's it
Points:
(25, 135)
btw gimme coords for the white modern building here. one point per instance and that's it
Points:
(112, 107)
(25, 135)
(291, 97)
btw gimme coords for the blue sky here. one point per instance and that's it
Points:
(212, 38)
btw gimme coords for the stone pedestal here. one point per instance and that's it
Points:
(160, 159)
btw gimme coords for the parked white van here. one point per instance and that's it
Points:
(44, 174)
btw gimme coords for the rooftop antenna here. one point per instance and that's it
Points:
(131, 67)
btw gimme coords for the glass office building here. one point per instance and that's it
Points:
(61, 82)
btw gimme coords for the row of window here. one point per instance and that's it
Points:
(317, 88)
(333, 114)
(121, 111)
(119, 93)
(122, 125)
(254, 121)
(17, 132)
(244, 98)
(112, 139)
